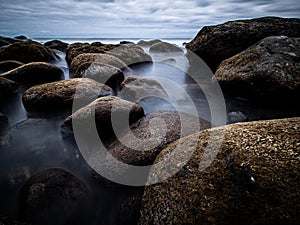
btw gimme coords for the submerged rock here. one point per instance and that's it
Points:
(26, 52)
(57, 44)
(236, 117)
(252, 180)
(7, 87)
(34, 73)
(268, 70)
(53, 196)
(217, 43)
(61, 94)
(148, 43)
(164, 47)
(8, 65)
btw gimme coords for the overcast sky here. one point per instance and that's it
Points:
(130, 18)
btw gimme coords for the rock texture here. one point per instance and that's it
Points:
(268, 70)
(8, 65)
(57, 44)
(252, 180)
(164, 47)
(7, 87)
(61, 94)
(53, 196)
(26, 52)
(217, 43)
(34, 73)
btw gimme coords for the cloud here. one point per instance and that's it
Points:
(130, 18)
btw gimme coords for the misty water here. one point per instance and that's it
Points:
(34, 143)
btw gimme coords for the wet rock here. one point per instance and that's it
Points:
(96, 58)
(61, 94)
(57, 44)
(156, 130)
(7, 87)
(253, 177)
(236, 117)
(21, 37)
(217, 43)
(148, 43)
(53, 196)
(4, 124)
(164, 47)
(81, 48)
(103, 73)
(26, 52)
(3, 43)
(34, 73)
(102, 111)
(8, 65)
(9, 40)
(268, 70)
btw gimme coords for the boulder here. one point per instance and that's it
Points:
(163, 132)
(26, 52)
(217, 43)
(164, 47)
(7, 87)
(21, 37)
(8, 65)
(61, 94)
(268, 70)
(9, 40)
(57, 44)
(148, 43)
(53, 196)
(251, 177)
(126, 42)
(101, 72)
(3, 43)
(96, 58)
(4, 124)
(34, 73)
(101, 111)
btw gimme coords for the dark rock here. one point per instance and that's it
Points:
(148, 43)
(4, 220)
(103, 73)
(8, 65)
(101, 111)
(3, 43)
(96, 58)
(217, 43)
(53, 196)
(164, 47)
(251, 177)
(268, 70)
(9, 40)
(57, 44)
(126, 42)
(21, 37)
(34, 73)
(4, 124)
(236, 117)
(61, 94)
(27, 52)
(7, 87)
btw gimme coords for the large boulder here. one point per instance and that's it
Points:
(101, 72)
(252, 177)
(164, 47)
(26, 52)
(57, 44)
(53, 196)
(34, 73)
(268, 70)
(7, 87)
(217, 43)
(96, 58)
(61, 94)
(8, 65)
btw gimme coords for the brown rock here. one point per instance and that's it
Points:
(7, 87)
(8, 65)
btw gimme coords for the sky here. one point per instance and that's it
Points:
(130, 18)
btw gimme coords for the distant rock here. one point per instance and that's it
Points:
(34, 73)
(26, 52)
(53, 196)
(217, 43)
(236, 117)
(8, 65)
(7, 87)
(268, 70)
(126, 42)
(253, 177)
(61, 94)
(164, 47)
(103, 73)
(57, 44)
(148, 43)
(21, 37)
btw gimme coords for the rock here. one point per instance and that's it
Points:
(53, 196)
(26, 52)
(268, 70)
(8, 65)
(236, 117)
(80, 48)
(252, 180)
(217, 43)
(4, 124)
(9, 40)
(164, 47)
(137, 88)
(57, 44)
(158, 135)
(34, 73)
(126, 42)
(148, 43)
(21, 37)
(101, 111)
(7, 87)
(4, 220)
(170, 61)
(61, 94)
(103, 73)
(3, 43)
(95, 58)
